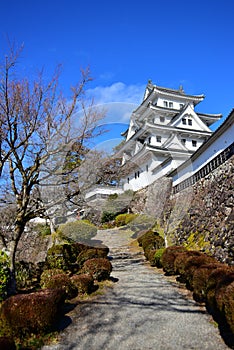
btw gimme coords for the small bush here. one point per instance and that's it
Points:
(215, 279)
(228, 306)
(193, 263)
(63, 282)
(61, 256)
(42, 229)
(28, 274)
(84, 283)
(7, 343)
(200, 279)
(168, 258)
(78, 231)
(99, 268)
(158, 257)
(4, 274)
(108, 216)
(47, 274)
(90, 253)
(124, 219)
(141, 222)
(34, 313)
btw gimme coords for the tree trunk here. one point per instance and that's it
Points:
(18, 231)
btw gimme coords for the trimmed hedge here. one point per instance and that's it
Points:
(99, 268)
(84, 283)
(61, 281)
(212, 283)
(35, 313)
(78, 231)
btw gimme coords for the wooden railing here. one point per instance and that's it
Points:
(206, 169)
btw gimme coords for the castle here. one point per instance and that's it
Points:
(164, 131)
(167, 137)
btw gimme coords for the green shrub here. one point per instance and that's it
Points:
(36, 313)
(124, 219)
(47, 274)
(107, 216)
(84, 283)
(61, 281)
(158, 256)
(42, 229)
(99, 268)
(140, 223)
(78, 231)
(28, 274)
(61, 256)
(4, 274)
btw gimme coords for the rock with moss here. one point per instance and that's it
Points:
(99, 268)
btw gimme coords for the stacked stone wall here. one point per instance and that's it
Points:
(202, 216)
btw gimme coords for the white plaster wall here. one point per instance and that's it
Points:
(222, 142)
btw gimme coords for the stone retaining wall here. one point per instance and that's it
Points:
(208, 220)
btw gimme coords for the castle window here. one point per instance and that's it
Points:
(149, 140)
(184, 121)
(159, 139)
(183, 141)
(135, 175)
(128, 180)
(147, 168)
(165, 103)
(170, 104)
(162, 119)
(190, 122)
(138, 174)
(181, 105)
(194, 143)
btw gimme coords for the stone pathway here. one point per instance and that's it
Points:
(142, 311)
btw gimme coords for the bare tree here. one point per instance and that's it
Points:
(38, 128)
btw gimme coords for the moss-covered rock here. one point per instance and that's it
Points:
(34, 313)
(99, 268)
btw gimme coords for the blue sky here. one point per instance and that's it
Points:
(126, 43)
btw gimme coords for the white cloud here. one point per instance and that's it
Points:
(118, 99)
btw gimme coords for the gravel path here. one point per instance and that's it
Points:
(142, 311)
